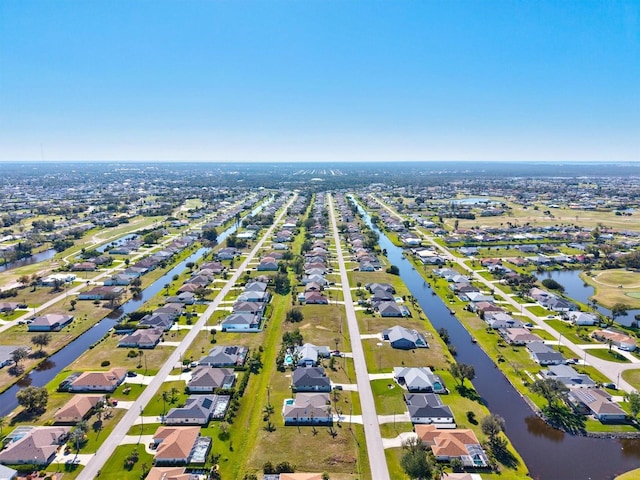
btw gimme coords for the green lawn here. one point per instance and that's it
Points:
(115, 469)
(606, 354)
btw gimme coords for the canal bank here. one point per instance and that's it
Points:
(549, 453)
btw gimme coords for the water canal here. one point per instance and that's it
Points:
(547, 452)
(30, 260)
(57, 362)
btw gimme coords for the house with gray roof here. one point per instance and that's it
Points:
(37, 446)
(419, 379)
(225, 356)
(428, 408)
(198, 410)
(142, 338)
(310, 379)
(307, 409)
(598, 403)
(206, 379)
(404, 338)
(309, 354)
(242, 322)
(568, 376)
(544, 354)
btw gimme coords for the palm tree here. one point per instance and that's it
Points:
(174, 392)
(166, 397)
(3, 421)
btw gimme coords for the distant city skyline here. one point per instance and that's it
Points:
(320, 81)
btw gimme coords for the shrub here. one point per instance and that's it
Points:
(105, 363)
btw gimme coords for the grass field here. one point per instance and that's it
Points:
(615, 286)
(606, 354)
(632, 377)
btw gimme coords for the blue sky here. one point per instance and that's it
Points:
(319, 80)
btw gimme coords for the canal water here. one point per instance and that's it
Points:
(57, 362)
(548, 453)
(575, 287)
(35, 258)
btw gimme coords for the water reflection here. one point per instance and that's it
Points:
(630, 447)
(536, 426)
(25, 381)
(45, 365)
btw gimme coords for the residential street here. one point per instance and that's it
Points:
(375, 447)
(118, 434)
(613, 370)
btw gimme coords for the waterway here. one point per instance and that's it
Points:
(57, 362)
(30, 260)
(575, 287)
(547, 452)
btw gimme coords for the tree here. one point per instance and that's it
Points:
(491, 426)
(282, 284)
(294, 315)
(634, 403)
(18, 355)
(33, 398)
(550, 388)
(414, 461)
(3, 421)
(41, 339)
(462, 372)
(210, 234)
(551, 284)
(166, 397)
(77, 433)
(393, 270)
(619, 310)
(73, 304)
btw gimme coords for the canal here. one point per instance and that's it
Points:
(30, 260)
(60, 360)
(547, 452)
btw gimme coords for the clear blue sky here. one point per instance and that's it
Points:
(320, 80)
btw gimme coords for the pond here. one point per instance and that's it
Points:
(575, 287)
(30, 260)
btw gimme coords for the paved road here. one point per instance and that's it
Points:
(119, 432)
(613, 370)
(375, 448)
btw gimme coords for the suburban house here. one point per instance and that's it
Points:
(158, 320)
(390, 309)
(544, 354)
(620, 340)
(180, 446)
(255, 286)
(598, 403)
(98, 381)
(142, 338)
(120, 280)
(225, 356)
(78, 408)
(307, 355)
(315, 298)
(307, 408)
(7, 473)
(582, 318)
(206, 379)
(499, 320)
(34, 445)
(170, 473)
(267, 264)
(519, 336)
(50, 322)
(198, 410)
(449, 444)
(428, 408)
(186, 298)
(403, 338)
(256, 308)
(102, 293)
(253, 296)
(8, 307)
(310, 379)
(240, 321)
(568, 376)
(419, 379)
